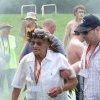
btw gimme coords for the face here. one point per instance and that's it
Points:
(92, 37)
(30, 21)
(40, 47)
(52, 29)
(6, 31)
(80, 13)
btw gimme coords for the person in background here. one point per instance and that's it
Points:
(44, 71)
(49, 25)
(79, 11)
(57, 45)
(8, 56)
(75, 50)
(28, 25)
(89, 67)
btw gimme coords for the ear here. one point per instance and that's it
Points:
(98, 28)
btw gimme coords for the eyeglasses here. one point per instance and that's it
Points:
(37, 43)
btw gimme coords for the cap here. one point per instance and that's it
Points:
(40, 33)
(5, 26)
(31, 15)
(89, 22)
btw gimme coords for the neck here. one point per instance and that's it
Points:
(95, 44)
(79, 38)
(78, 20)
(40, 57)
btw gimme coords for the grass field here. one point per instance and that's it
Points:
(15, 20)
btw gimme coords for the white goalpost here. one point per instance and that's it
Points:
(43, 6)
(24, 6)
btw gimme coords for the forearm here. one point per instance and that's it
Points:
(15, 93)
(69, 78)
(76, 67)
(24, 51)
(71, 83)
(66, 40)
(57, 45)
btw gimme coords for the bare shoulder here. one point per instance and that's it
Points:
(75, 50)
(76, 43)
(71, 22)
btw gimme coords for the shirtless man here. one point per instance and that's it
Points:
(79, 11)
(75, 51)
(75, 48)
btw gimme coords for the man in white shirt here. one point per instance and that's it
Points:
(45, 81)
(90, 61)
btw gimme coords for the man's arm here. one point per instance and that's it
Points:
(67, 34)
(15, 93)
(70, 78)
(74, 53)
(26, 49)
(71, 83)
(57, 45)
(76, 66)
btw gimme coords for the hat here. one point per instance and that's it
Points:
(89, 22)
(40, 33)
(5, 26)
(31, 15)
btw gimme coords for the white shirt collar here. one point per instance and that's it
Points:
(31, 57)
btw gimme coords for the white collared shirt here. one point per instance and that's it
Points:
(49, 76)
(91, 75)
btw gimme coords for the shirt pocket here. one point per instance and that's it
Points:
(28, 80)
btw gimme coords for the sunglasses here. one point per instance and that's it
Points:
(37, 43)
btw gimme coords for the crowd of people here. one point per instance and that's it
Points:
(49, 69)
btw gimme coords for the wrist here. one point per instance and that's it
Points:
(60, 89)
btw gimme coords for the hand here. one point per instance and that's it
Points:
(54, 92)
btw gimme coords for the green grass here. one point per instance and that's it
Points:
(15, 20)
